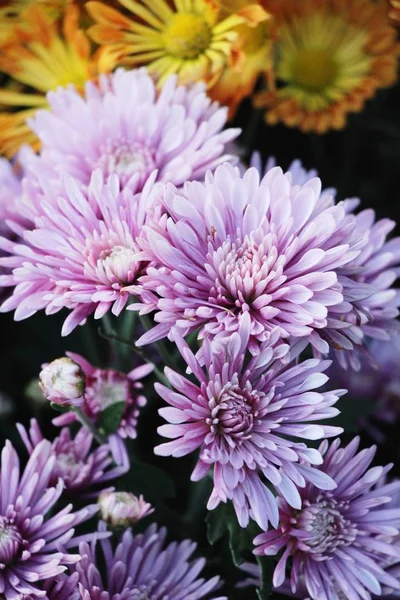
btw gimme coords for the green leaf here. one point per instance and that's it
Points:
(267, 566)
(146, 479)
(216, 524)
(110, 418)
(223, 521)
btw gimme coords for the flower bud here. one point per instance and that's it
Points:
(63, 382)
(122, 509)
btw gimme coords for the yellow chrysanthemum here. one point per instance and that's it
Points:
(186, 37)
(331, 56)
(253, 52)
(41, 58)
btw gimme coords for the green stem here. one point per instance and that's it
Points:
(114, 337)
(128, 322)
(86, 422)
(163, 351)
(109, 331)
(89, 343)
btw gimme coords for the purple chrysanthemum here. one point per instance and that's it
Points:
(104, 387)
(335, 541)
(377, 381)
(62, 587)
(242, 416)
(80, 468)
(82, 252)
(124, 126)
(142, 567)
(30, 541)
(367, 280)
(233, 246)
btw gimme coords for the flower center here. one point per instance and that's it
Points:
(126, 160)
(117, 264)
(326, 526)
(314, 69)
(110, 392)
(10, 542)
(241, 271)
(187, 35)
(233, 411)
(321, 58)
(67, 467)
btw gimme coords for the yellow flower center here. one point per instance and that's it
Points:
(314, 69)
(187, 35)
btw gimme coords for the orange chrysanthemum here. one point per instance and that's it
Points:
(253, 57)
(394, 11)
(11, 10)
(330, 57)
(187, 37)
(42, 56)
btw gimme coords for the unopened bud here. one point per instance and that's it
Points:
(63, 382)
(122, 509)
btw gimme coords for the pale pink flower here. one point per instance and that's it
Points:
(123, 509)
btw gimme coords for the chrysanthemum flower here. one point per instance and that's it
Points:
(104, 387)
(12, 11)
(30, 541)
(184, 37)
(233, 246)
(125, 126)
(335, 540)
(62, 382)
(10, 190)
(377, 382)
(252, 58)
(367, 281)
(331, 56)
(394, 12)
(62, 587)
(123, 509)
(82, 253)
(43, 56)
(80, 468)
(243, 415)
(142, 566)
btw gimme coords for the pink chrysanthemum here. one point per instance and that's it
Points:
(233, 246)
(335, 540)
(82, 253)
(367, 280)
(30, 541)
(104, 387)
(142, 567)
(375, 271)
(243, 416)
(79, 468)
(124, 126)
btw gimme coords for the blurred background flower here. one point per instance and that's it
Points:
(41, 54)
(330, 56)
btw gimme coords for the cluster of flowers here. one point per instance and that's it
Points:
(36, 536)
(134, 202)
(319, 60)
